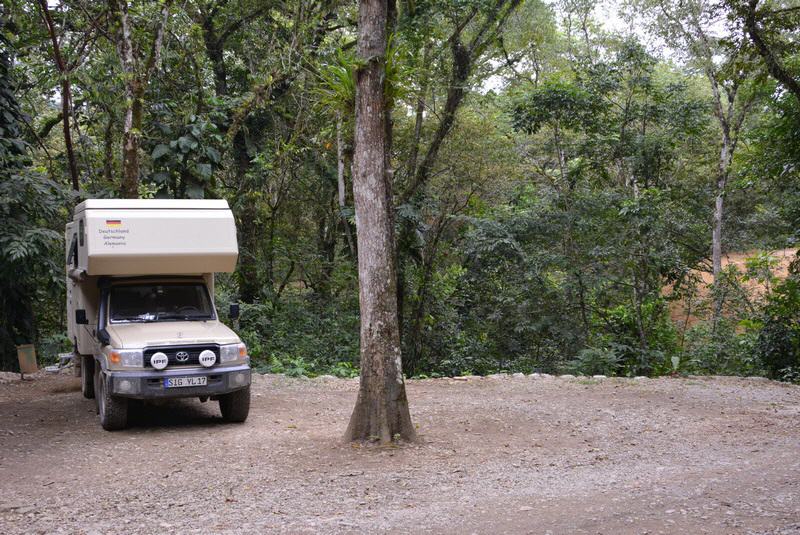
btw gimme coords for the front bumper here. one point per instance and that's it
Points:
(150, 384)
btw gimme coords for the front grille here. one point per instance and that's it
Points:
(172, 354)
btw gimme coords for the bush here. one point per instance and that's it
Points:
(301, 336)
(596, 361)
(730, 350)
(778, 343)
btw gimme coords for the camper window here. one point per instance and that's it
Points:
(160, 302)
(73, 252)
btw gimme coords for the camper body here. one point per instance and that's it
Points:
(140, 304)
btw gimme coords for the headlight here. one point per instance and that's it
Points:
(126, 358)
(232, 353)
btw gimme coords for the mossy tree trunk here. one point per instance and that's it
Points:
(381, 412)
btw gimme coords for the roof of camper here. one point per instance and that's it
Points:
(152, 204)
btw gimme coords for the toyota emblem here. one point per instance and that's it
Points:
(181, 356)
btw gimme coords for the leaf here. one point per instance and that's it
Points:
(194, 191)
(213, 154)
(204, 170)
(186, 144)
(160, 150)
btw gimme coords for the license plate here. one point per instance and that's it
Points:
(177, 382)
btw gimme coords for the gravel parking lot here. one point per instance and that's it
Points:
(495, 455)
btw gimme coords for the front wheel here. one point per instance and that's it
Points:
(113, 410)
(235, 406)
(87, 375)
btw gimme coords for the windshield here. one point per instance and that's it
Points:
(160, 302)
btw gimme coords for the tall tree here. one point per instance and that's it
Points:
(475, 29)
(137, 67)
(381, 411)
(66, 93)
(724, 62)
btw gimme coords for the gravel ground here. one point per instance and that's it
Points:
(495, 455)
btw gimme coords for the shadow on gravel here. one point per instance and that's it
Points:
(178, 413)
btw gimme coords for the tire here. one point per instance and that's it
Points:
(113, 410)
(235, 406)
(87, 376)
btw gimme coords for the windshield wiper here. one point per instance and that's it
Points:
(177, 316)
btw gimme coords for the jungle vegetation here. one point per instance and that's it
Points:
(559, 181)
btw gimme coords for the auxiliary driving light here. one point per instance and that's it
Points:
(239, 378)
(126, 386)
(159, 360)
(207, 358)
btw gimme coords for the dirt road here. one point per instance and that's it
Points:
(496, 455)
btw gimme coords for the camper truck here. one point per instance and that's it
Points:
(140, 305)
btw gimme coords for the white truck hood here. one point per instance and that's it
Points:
(140, 335)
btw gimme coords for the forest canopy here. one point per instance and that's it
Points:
(571, 192)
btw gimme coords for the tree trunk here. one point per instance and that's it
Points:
(108, 149)
(381, 410)
(419, 114)
(215, 51)
(414, 342)
(716, 234)
(136, 81)
(130, 144)
(342, 190)
(66, 95)
(327, 224)
(725, 157)
(249, 232)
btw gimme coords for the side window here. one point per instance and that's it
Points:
(80, 232)
(73, 252)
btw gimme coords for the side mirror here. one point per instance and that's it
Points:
(234, 311)
(80, 317)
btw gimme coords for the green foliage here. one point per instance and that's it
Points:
(727, 349)
(31, 249)
(300, 337)
(558, 104)
(778, 342)
(596, 361)
(566, 208)
(185, 166)
(337, 88)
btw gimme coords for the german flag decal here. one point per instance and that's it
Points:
(113, 223)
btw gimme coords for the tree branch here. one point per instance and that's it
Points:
(773, 64)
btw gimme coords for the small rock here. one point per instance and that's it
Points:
(599, 377)
(326, 378)
(640, 378)
(497, 376)
(567, 376)
(518, 375)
